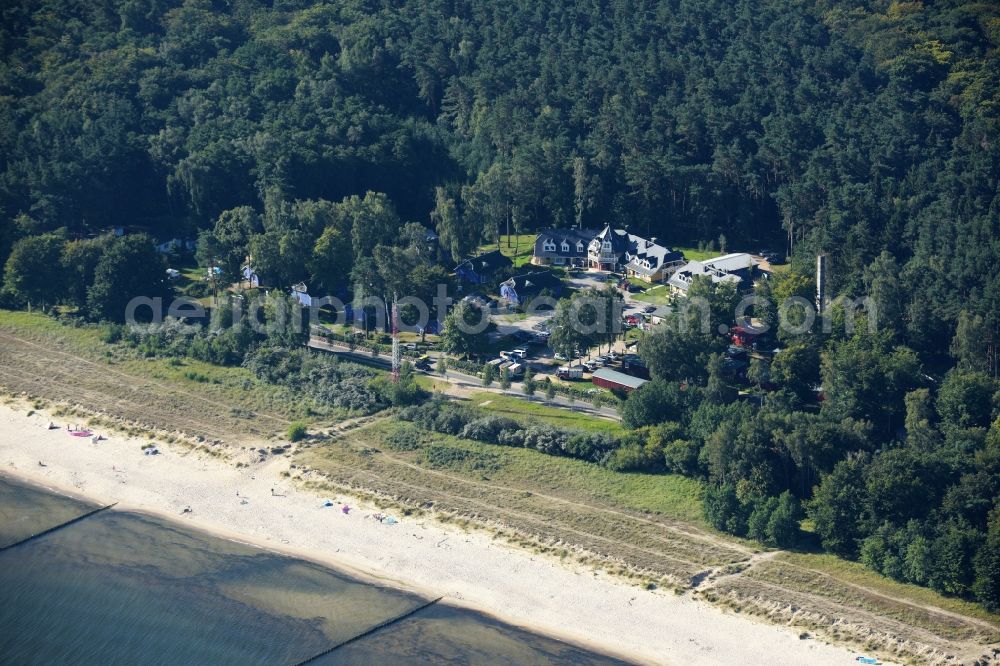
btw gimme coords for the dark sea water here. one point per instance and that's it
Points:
(125, 588)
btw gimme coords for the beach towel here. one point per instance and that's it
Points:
(346, 509)
(80, 433)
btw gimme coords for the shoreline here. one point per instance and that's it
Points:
(469, 569)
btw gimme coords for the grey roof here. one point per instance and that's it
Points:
(572, 237)
(730, 263)
(647, 257)
(661, 312)
(619, 378)
(683, 277)
(735, 267)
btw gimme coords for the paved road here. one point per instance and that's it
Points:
(462, 380)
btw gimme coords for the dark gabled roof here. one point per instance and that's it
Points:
(647, 257)
(487, 264)
(535, 281)
(619, 239)
(571, 236)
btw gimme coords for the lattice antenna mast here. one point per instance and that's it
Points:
(396, 352)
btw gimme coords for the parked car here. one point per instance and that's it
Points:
(520, 353)
(515, 369)
(567, 373)
(412, 346)
(772, 256)
(508, 355)
(649, 308)
(589, 367)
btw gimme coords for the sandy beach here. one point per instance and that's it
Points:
(257, 505)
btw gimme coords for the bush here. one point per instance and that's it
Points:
(112, 333)
(545, 438)
(357, 395)
(724, 511)
(448, 457)
(681, 457)
(405, 437)
(458, 420)
(759, 517)
(488, 428)
(593, 446)
(783, 525)
(634, 457)
(296, 431)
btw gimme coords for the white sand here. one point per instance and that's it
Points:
(469, 569)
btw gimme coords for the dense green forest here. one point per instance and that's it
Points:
(324, 137)
(846, 126)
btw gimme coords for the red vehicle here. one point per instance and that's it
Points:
(745, 336)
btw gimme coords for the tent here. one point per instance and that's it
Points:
(250, 275)
(300, 293)
(508, 293)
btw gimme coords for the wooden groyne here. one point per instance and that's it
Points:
(370, 631)
(57, 527)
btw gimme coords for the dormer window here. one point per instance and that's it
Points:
(549, 245)
(565, 246)
(579, 246)
(607, 245)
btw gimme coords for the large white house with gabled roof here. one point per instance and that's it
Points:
(613, 250)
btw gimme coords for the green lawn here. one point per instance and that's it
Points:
(663, 494)
(658, 295)
(429, 383)
(694, 254)
(517, 408)
(519, 247)
(40, 326)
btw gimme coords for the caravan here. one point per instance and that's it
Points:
(569, 373)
